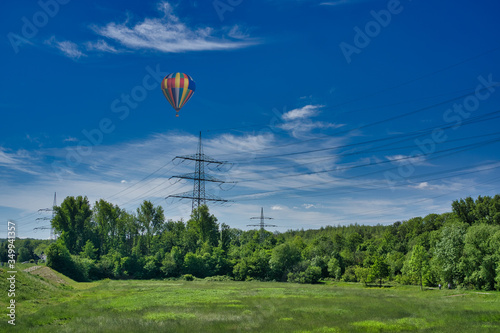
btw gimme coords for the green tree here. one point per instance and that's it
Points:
(363, 274)
(89, 251)
(464, 209)
(334, 268)
(151, 220)
(449, 250)
(205, 225)
(225, 237)
(41, 248)
(172, 263)
(195, 264)
(106, 216)
(379, 270)
(59, 258)
(479, 262)
(23, 255)
(283, 258)
(73, 220)
(418, 264)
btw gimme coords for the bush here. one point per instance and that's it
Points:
(312, 274)
(75, 267)
(188, 277)
(151, 268)
(104, 267)
(219, 278)
(195, 265)
(349, 275)
(59, 259)
(84, 268)
(363, 274)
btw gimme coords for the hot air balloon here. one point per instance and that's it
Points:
(178, 89)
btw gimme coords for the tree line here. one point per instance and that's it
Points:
(460, 248)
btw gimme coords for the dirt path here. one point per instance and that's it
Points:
(45, 272)
(32, 268)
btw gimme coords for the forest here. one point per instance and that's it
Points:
(460, 248)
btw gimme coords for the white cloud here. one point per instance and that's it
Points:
(16, 161)
(169, 34)
(307, 111)
(275, 183)
(299, 124)
(100, 45)
(6, 158)
(422, 185)
(334, 3)
(70, 49)
(341, 2)
(405, 160)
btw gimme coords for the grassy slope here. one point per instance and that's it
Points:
(199, 306)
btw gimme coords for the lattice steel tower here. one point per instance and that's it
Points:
(199, 177)
(262, 224)
(53, 235)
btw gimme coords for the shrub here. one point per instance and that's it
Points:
(83, 269)
(312, 274)
(349, 275)
(59, 259)
(219, 278)
(188, 277)
(363, 274)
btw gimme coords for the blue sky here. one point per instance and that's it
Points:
(332, 112)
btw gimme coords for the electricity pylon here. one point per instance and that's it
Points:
(199, 196)
(262, 224)
(53, 235)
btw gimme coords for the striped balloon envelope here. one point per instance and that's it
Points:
(178, 89)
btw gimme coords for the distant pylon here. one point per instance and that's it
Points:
(262, 224)
(199, 196)
(53, 235)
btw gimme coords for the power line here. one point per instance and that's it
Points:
(461, 62)
(53, 235)
(262, 224)
(451, 151)
(378, 122)
(199, 196)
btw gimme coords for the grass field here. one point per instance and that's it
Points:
(44, 304)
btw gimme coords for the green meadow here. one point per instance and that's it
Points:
(50, 303)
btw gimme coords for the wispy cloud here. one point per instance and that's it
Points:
(169, 34)
(303, 112)
(334, 3)
(404, 159)
(68, 48)
(341, 2)
(100, 45)
(15, 161)
(299, 124)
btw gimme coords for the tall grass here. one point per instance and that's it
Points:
(203, 306)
